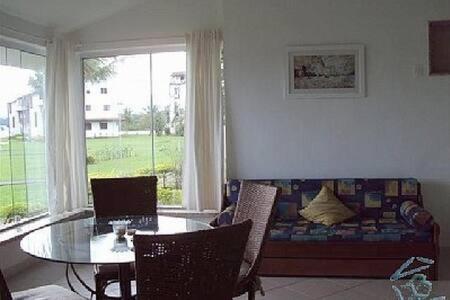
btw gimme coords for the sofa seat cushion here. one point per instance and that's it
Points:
(357, 230)
(49, 292)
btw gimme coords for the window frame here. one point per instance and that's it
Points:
(33, 49)
(174, 45)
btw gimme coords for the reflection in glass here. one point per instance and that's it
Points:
(135, 118)
(23, 189)
(93, 240)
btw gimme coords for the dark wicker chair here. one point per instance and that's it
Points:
(190, 266)
(256, 202)
(118, 197)
(50, 292)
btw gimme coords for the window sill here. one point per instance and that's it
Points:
(17, 231)
(181, 212)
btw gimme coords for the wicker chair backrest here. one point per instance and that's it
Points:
(256, 202)
(188, 266)
(124, 196)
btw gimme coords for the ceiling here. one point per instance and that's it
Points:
(64, 15)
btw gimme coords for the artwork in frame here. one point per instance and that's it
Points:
(326, 71)
(439, 47)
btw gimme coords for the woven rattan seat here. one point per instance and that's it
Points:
(190, 266)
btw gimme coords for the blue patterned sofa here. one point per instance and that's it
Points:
(373, 244)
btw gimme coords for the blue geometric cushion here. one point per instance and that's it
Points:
(225, 217)
(416, 216)
(363, 230)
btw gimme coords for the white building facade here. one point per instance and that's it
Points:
(101, 111)
(26, 116)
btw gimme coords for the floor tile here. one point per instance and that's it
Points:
(348, 282)
(277, 288)
(316, 287)
(376, 288)
(270, 283)
(285, 294)
(349, 295)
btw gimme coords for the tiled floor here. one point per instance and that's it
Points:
(275, 287)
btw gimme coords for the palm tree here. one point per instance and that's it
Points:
(95, 71)
(99, 69)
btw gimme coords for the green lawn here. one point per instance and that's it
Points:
(107, 157)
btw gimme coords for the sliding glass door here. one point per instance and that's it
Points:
(134, 111)
(23, 188)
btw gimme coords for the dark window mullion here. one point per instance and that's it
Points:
(152, 132)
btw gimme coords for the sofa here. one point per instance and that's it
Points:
(372, 244)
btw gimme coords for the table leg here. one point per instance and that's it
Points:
(125, 281)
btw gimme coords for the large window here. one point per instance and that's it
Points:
(141, 131)
(23, 188)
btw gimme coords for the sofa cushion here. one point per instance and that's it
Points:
(225, 217)
(287, 211)
(416, 216)
(371, 198)
(353, 230)
(326, 209)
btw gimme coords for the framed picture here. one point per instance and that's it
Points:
(439, 47)
(327, 71)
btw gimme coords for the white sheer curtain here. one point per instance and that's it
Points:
(66, 151)
(203, 159)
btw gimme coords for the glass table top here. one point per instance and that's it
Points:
(92, 240)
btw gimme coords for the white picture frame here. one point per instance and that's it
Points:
(325, 71)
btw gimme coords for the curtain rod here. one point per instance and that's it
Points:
(136, 40)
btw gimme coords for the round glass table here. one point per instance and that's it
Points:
(92, 241)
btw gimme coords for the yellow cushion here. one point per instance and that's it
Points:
(326, 209)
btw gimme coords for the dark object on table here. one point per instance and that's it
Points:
(118, 197)
(439, 47)
(256, 202)
(197, 265)
(44, 292)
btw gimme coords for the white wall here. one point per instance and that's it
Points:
(402, 129)
(154, 18)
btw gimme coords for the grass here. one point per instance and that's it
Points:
(112, 157)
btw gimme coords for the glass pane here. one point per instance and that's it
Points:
(13, 57)
(33, 62)
(169, 97)
(22, 156)
(2, 55)
(117, 110)
(130, 133)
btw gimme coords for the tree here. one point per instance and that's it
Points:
(95, 71)
(37, 83)
(178, 120)
(160, 120)
(99, 69)
(127, 119)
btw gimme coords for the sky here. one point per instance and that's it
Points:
(13, 84)
(129, 86)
